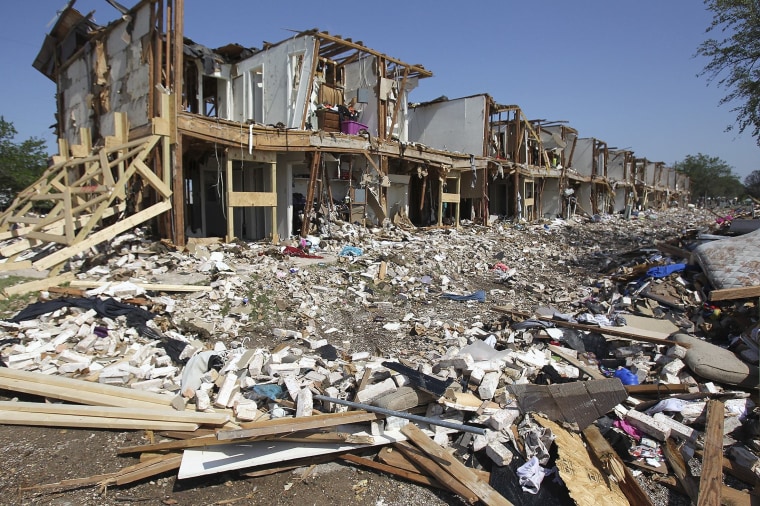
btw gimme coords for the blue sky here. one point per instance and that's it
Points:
(623, 72)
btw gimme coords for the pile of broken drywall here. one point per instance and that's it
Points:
(479, 352)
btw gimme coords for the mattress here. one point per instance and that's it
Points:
(733, 262)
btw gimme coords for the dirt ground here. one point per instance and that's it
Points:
(561, 263)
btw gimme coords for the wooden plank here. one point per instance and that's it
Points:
(711, 477)
(152, 178)
(38, 284)
(158, 414)
(385, 468)
(15, 265)
(607, 331)
(745, 292)
(89, 422)
(657, 389)
(252, 199)
(119, 394)
(45, 237)
(211, 440)
(614, 465)
(147, 469)
(452, 466)
(102, 235)
(592, 372)
(285, 425)
(155, 287)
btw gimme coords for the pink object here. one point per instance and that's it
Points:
(351, 127)
(501, 267)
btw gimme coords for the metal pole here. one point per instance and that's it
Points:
(402, 414)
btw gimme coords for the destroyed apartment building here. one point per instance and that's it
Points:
(249, 143)
(447, 293)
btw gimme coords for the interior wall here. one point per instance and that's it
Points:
(454, 125)
(583, 157)
(551, 199)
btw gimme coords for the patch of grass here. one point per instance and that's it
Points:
(14, 303)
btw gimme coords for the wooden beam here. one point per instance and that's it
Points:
(308, 210)
(610, 331)
(157, 414)
(90, 422)
(711, 477)
(37, 285)
(454, 467)
(155, 287)
(114, 396)
(744, 292)
(285, 425)
(395, 471)
(435, 470)
(592, 372)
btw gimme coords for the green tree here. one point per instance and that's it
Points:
(734, 58)
(710, 177)
(20, 163)
(752, 184)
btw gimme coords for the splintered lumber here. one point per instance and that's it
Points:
(152, 287)
(385, 468)
(79, 391)
(711, 478)
(585, 483)
(89, 422)
(158, 415)
(614, 465)
(450, 465)
(607, 331)
(286, 425)
(680, 469)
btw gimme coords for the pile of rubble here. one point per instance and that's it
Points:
(494, 362)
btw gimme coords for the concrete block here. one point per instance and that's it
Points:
(202, 400)
(375, 391)
(305, 403)
(226, 392)
(648, 425)
(499, 453)
(246, 411)
(681, 431)
(487, 388)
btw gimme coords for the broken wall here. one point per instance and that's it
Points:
(455, 125)
(583, 157)
(110, 75)
(551, 198)
(285, 68)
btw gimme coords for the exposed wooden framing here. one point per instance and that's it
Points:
(178, 181)
(102, 235)
(308, 210)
